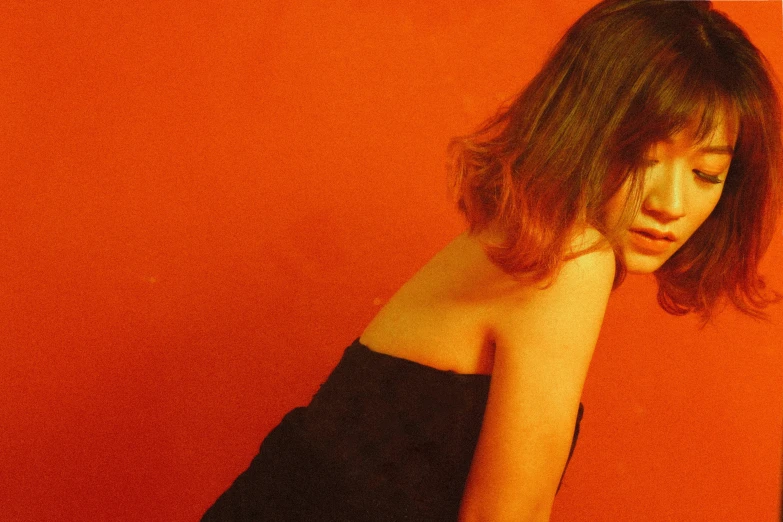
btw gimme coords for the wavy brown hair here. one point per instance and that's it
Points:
(627, 74)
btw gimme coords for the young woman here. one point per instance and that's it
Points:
(648, 143)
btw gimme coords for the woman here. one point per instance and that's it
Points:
(648, 143)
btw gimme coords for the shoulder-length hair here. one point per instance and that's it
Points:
(627, 74)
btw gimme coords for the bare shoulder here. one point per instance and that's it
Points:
(576, 296)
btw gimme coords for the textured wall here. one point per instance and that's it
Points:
(206, 201)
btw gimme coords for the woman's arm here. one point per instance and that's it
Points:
(544, 343)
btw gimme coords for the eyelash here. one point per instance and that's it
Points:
(708, 177)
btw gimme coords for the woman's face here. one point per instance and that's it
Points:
(682, 184)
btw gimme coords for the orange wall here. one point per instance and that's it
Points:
(205, 201)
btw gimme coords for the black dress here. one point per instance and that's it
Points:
(384, 439)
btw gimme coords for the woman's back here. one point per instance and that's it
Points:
(442, 317)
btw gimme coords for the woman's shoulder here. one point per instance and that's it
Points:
(588, 265)
(572, 301)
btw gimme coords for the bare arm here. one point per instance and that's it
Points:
(544, 343)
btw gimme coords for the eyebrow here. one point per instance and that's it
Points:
(719, 149)
(711, 149)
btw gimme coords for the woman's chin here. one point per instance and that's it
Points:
(637, 263)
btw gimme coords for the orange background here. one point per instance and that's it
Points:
(206, 201)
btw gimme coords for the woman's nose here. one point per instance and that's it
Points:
(664, 193)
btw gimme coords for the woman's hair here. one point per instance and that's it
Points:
(627, 74)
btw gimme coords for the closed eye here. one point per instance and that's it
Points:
(709, 178)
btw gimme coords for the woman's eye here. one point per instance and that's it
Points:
(709, 178)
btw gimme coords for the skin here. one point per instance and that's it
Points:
(462, 313)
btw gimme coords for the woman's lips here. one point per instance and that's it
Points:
(651, 241)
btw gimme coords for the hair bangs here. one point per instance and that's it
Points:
(687, 93)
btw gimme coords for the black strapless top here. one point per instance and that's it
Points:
(384, 439)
